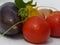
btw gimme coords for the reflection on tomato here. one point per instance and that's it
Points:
(36, 30)
(54, 22)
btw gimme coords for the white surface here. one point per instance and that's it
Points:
(21, 41)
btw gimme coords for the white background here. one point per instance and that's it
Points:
(20, 40)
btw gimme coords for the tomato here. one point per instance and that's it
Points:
(36, 30)
(54, 22)
(56, 12)
(46, 12)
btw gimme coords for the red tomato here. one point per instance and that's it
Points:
(36, 30)
(54, 22)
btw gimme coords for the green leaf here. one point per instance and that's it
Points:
(29, 3)
(23, 12)
(20, 4)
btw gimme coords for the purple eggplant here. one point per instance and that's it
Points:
(9, 16)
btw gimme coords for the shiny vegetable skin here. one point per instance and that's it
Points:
(9, 16)
(36, 30)
(54, 22)
(46, 12)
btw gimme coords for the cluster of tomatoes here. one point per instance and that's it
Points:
(37, 29)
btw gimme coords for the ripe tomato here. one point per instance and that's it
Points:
(54, 22)
(56, 12)
(36, 30)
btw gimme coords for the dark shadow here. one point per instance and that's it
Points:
(15, 37)
(56, 37)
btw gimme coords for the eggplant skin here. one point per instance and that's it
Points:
(9, 16)
(10, 5)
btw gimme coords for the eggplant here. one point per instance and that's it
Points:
(9, 16)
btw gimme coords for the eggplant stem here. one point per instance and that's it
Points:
(11, 27)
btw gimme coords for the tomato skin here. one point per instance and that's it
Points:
(56, 12)
(54, 22)
(36, 30)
